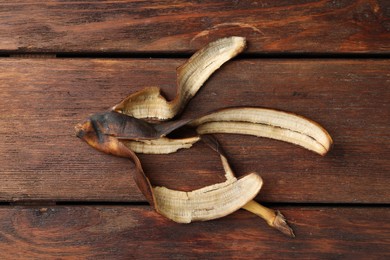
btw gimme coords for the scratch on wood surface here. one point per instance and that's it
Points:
(236, 24)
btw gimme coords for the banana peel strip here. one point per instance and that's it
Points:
(161, 145)
(210, 202)
(150, 104)
(260, 122)
(270, 123)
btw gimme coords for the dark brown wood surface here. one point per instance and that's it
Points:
(326, 60)
(42, 100)
(181, 26)
(109, 232)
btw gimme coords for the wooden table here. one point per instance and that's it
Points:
(61, 61)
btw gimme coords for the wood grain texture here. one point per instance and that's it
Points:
(109, 232)
(42, 100)
(351, 26)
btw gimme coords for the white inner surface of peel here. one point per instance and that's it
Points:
(207, 203)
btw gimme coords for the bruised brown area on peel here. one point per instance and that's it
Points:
(92, 133)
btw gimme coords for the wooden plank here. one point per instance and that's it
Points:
(351, 26)
(42, 100)
(109, 232)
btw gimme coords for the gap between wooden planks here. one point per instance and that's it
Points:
(42, 100)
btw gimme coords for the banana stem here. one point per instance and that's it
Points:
(273, 218)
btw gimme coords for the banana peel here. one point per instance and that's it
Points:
(142, 122)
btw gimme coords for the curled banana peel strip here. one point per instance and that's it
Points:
(142, 122)
(210, 202)
(150, 104)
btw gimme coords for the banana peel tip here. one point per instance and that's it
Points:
(280, 224)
